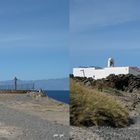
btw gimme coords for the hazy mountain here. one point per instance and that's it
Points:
(50, 84)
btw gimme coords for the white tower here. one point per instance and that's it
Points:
(110, 62)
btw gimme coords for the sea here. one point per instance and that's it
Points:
(60, 95)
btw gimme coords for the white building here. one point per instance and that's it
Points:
(99, 73)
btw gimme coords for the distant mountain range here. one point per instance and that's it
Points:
(49, 84)
(53, 84)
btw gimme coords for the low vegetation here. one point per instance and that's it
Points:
(90, 107)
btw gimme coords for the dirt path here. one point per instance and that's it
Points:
(23, 118)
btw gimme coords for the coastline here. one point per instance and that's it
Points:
(59, 95)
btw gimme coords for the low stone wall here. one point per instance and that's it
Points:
(14, 91)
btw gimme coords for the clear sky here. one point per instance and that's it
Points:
(34, 39)
(102, 29)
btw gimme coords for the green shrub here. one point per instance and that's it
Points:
(89, 107)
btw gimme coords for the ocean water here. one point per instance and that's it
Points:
(60, 95)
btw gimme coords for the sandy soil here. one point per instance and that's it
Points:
(25, 117)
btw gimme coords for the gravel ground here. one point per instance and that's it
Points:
(19, 125)
(107, 133)
(77, 133)
(129, 133)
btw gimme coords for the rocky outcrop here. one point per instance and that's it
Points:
(128, 83)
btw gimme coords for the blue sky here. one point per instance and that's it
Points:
(34, 39)
(104, 28)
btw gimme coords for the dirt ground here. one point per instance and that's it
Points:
(26, 117)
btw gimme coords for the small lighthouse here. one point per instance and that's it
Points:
(110, 62)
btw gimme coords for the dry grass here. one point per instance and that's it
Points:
(90, 107)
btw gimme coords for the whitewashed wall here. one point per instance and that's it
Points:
(100, 73)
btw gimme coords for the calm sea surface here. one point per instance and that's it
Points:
(60, 95)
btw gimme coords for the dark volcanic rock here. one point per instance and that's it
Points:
(128, 83)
